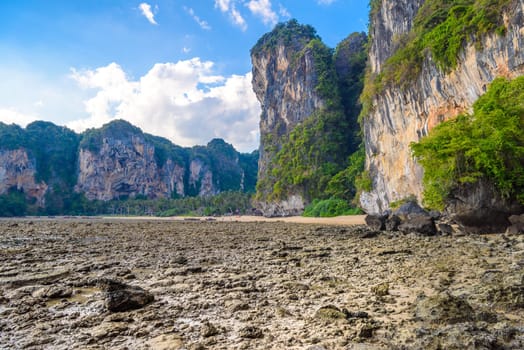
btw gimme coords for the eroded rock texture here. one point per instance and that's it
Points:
(401, 116)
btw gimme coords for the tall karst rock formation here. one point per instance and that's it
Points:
(51, 165)
(306, 134)
(414, 85)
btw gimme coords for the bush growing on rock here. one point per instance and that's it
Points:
(488, 144)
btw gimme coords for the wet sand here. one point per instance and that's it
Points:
(349, 220)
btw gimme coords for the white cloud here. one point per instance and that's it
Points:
(238, 19)
(325, 2)
(182, 101)
(228, 6)
(146, 11)
(263, 9)
(203, 24)
(283, 12)
(223, 5)
(13, 116)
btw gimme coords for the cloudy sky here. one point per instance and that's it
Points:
(175, 68)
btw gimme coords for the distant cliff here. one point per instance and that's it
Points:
(50, 164)
(309, 106)
(430, 61)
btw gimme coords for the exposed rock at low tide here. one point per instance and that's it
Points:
(220, 285)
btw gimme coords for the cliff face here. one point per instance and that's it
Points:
(400, 115)
(126, 168)
(17, 171)
(306, 130)
(284, 80)
(52, 165)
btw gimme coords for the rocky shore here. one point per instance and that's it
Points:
(103, 284)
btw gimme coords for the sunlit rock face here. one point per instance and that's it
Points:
(17, 171)
(401, 116)
(284, 80)
(127, 167)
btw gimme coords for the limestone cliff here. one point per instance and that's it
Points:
(54, 168)
(126, 167)
(119, 161)
(305, 133)
(284, 82)
(17, 171)
(402, 113)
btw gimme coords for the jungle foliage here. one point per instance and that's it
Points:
(329, 208)
(487, 144)
(309, 159)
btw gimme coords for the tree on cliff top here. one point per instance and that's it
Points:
(290, 33)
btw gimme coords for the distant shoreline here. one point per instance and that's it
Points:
(349, 220)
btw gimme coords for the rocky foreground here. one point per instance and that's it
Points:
(99, 284)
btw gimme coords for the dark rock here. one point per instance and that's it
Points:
(509, 297)
(445, 229)
(376, 222)
(515, 229)
(392, 223)
(444, 309)
(423, 225)
(180, 260)
(355, 314)
(516, 219)
(251, 332)
(517, 225)
(366, 331)
(122, 297)
(478, 208)
(435, 215)
(368, 234)
(410, 209)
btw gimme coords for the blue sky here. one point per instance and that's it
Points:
(176, 68)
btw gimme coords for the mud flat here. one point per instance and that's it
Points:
(124, 284)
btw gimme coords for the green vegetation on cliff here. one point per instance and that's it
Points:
(441, 28)
(488, 144)
(308, 159)
(290, 33)
(53, 152)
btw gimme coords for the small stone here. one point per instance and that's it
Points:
(381, 289)
(208, 330)
(251, 332)
(330, 312)
(366, 331)
(445, 229)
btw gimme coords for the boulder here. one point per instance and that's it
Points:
(376, 222)
(479, 208)
(409, 209)
(423, 225)
(393, 222)
(517, 225)
(121, 297)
